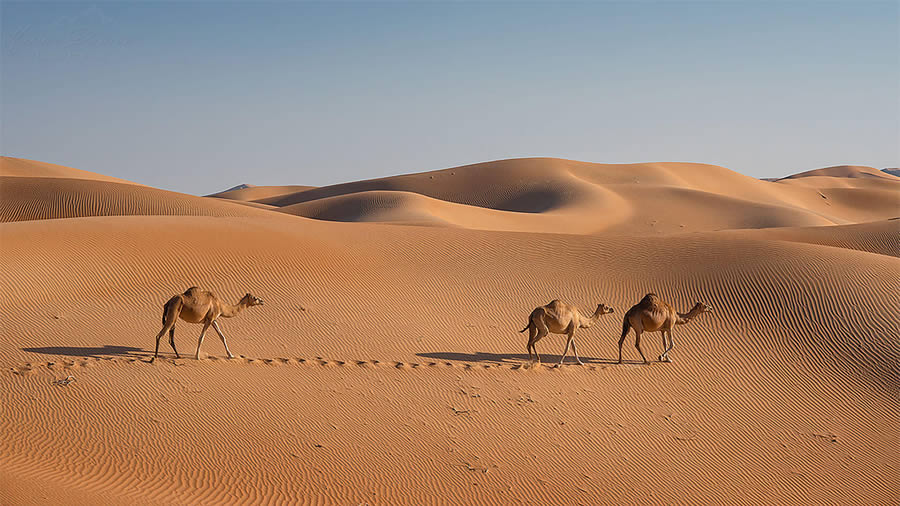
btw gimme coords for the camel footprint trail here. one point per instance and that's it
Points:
(68, 365)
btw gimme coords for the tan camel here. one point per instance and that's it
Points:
(652, 314)
(559, 318)
(199, 306)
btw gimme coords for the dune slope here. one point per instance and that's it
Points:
(21, 167)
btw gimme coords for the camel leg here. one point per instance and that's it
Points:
(622, 340)
(158, 337)
(171, 310)
(637, 344)
(216, 327)
(202, 334)
(575, 352)
(665, 354)
(566, 351)
(569, 340)
(541, 332)
(532, 331)
(172, 340)
(665, 344)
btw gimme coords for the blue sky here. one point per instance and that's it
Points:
(197, 97)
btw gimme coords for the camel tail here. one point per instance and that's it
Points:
(169, 307)
(526, 328)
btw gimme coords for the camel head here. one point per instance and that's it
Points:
(251, 300)
(604, 309)
(701, 308)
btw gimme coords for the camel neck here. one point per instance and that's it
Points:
(687, 317)
(231, 311)
(587, 322)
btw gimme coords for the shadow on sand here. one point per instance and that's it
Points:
(106, 350)
(510, 358)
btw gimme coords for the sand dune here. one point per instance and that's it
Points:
(846, 171)
(20, 167)
(409, 208)
(386, 366)
(27, 198)
(256, 193)
(881, 237)
(565, 196)
(840, 182)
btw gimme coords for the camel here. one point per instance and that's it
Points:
(559, 318)
(652, 314)
(199, 306)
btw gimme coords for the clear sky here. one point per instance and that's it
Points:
(197, 97)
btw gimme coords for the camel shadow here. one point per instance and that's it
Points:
(104, 351)
(508, 358)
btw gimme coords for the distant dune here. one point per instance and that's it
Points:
(847, 171)
(386, 366)
(565, 196)
(250, 193)
(241, 186)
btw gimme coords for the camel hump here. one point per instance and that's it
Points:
(192, 291)
(651, 300)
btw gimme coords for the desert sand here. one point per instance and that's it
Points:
(386, 366)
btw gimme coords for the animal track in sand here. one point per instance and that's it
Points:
(75, 364)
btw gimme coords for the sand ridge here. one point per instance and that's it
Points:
(21, 167)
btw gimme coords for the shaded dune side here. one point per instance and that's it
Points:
(255, 193)
(862, 205)
(668, 210)
(881, 237)
(696, 211)
(377, 206)
(29, 198)
(415, 209)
